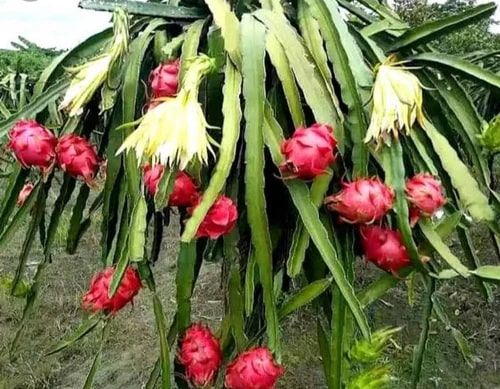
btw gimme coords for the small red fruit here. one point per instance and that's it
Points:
(201, 355)
(24, 193)
(425, 193)
(184, 193)
(33, 145)
(362, 201)
(164, 79)
(309, 152)
(97, 298)
(77, 157)
(253, 369)
(219, 220)
(384, 248)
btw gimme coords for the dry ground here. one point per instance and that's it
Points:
(132, 347)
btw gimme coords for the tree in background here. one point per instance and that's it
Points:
(472, 38)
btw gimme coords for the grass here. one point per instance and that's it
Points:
(132, 348)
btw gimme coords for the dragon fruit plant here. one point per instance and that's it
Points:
(319, 135)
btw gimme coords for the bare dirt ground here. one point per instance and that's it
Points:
(131, 348)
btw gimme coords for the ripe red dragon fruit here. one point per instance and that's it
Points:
(184, 193)
(24, 193)
(253, 369)
(164, 79)
(384, 248)
(219, 220)
(362, 201)
(152, 176)
(309, 152)
(201, 355)
(33, 145)
(97, 298)
(77, 157)
(425, 194)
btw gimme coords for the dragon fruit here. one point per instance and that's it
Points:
(97, 298)
(384, 248)
(164, 79)
(309, 152)
(425, 194)
(219, 220)
(24, 193)
(201, 355)
(77, 157)
(253, 369)
(33, 145)
(362, 201)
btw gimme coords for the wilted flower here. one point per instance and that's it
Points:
(253, 369)
(200, 354)
(88, 77)
(97, 298)
(175, 131)
(24, 193)
(364, 200)
(397, 102)
(33, 145)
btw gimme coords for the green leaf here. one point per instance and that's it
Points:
(137, 231)
(379, 287)
(97, 359)
(300, 239)
(166, 11)
(462, 343)
(350, 71)
(437, 28)
(83, 329)
(308, 212)
(230, 28)
(316, 92)
(161, 328)
(280, 62)
(191, 43)
(184, 282)
(466, 186)
(35, 106)
(253, 71)
(324, 349)
(309, 29)
(120, 269)
(16, 183)
(250, 281)
(395, 177)
(236, 307)
(67, 188)
(227, 150)
(488, 272)
(75, 227)
(304, 296)
(418, 354)
(442, 249)
(463, 119)
(19, 216)
(165, 187)
(457, 65)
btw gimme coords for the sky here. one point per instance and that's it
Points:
(61, 24)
